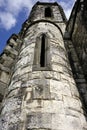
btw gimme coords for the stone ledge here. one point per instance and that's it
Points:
(3, 68)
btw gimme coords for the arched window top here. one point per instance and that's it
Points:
(48, 12)
(42, 36)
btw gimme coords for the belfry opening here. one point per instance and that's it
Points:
(48, 12)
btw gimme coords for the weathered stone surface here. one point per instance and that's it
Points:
(4, 77)
(11, 104)
(41, 92)
(39, 120)
(41, 97)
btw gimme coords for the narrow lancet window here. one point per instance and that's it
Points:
(42, 55)
(48, 12)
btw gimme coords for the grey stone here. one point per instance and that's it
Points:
(41, 79)
(39, 120)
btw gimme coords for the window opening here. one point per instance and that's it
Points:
(42, 55)
(48, 12)
(1, 97)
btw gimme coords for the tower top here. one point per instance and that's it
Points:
(45, 3)
(47, 11)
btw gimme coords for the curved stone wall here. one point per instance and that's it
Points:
(42, 100)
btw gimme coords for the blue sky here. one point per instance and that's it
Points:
(14, 12)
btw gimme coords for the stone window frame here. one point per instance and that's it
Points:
(37, 53)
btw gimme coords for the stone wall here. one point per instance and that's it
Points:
(76, 42)
(47, 100)
(43, 99)
(38, 12)
(7, 60)
(77, 27)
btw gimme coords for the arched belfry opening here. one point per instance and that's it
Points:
(48, 12)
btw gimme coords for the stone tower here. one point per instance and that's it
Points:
(40, 91)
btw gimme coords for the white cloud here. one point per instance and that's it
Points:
(68, 12)
(16, 6)
(10, 10)
(1, 3)
(67, 6)
(7, 20)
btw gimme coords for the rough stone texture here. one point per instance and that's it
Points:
(77, 28)
(7, 61)
(77, 47)
(42, 98)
